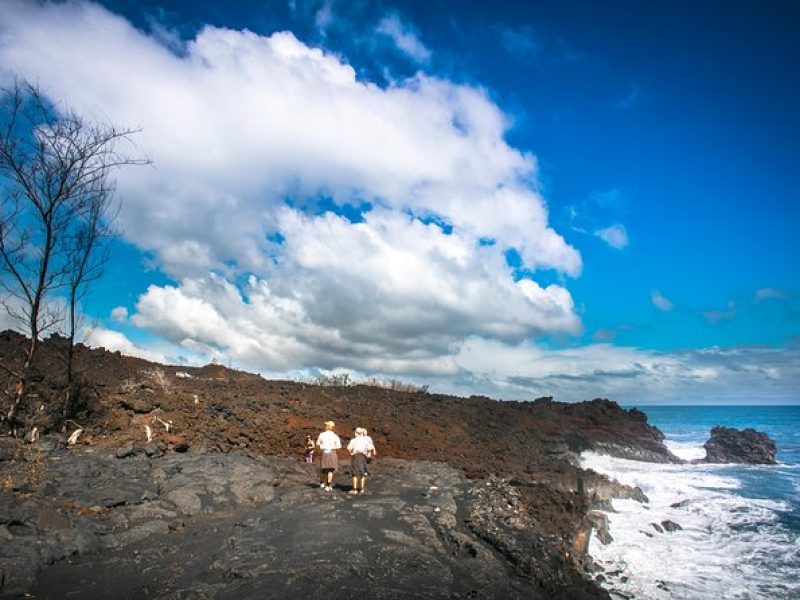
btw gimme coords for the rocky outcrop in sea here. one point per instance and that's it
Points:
(727, 445)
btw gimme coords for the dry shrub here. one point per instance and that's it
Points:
(398, 386)
(333, 380)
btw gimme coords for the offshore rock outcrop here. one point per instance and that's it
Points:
(727, 445)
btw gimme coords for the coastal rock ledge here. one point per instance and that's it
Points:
(728, 445)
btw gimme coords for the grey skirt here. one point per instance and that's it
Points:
(358, 465)
(329, 461)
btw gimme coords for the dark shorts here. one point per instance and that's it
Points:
(330, 462)
(358, 465)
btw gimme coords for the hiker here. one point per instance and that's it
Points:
(329, 443)
(361, 449)
(369, 458)
(309, 456)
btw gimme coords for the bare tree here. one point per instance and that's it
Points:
(56, 192)
(87, 254)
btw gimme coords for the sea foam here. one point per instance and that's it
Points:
(686, 450)
(729, 544)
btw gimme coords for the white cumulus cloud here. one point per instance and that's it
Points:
(119, 314)
(251, 137)
(115, 341)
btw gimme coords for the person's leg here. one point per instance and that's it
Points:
(329, 479)
(354, 488)
(361, 482)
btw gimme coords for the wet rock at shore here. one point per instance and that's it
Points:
(665, 526)
(657, 527)
(599, 522)
(749, 446)
(670, 526)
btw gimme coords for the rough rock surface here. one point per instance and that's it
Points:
(728, 445)
(210, 525)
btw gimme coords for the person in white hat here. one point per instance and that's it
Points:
(329, 443)
(361, 449)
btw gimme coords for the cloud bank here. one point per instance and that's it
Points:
(309, 219)
(633, 376)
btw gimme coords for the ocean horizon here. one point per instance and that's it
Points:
(740, 524)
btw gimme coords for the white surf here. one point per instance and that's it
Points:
(728, 546)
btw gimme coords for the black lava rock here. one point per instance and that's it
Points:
(728, 445)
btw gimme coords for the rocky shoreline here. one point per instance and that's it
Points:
(183, 482)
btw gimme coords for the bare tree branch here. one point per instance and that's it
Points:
(56, 213)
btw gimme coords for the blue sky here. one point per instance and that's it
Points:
(579, 199)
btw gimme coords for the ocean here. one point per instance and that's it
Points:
(740, 536)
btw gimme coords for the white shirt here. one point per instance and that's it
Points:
(328, 441)
(361, 444)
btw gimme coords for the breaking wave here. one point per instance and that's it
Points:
(734, 540)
